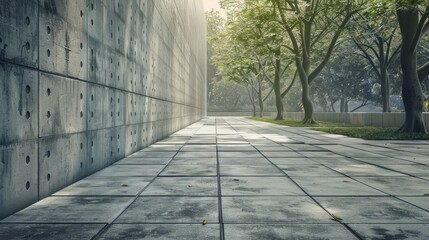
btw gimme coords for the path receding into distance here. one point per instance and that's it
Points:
(247, 180)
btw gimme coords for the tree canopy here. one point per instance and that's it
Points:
(340, 51)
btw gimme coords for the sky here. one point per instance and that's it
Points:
(213, 4)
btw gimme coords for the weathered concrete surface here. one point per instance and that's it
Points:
(317, 190)
(84, 83)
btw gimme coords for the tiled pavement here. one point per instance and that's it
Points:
(248, 180)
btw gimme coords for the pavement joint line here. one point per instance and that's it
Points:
(104, 229)
(314, 200)
(219, 188)
(373, 164)
(386, 168)
(387, 194)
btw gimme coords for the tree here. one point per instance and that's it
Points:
(375, 35)
(227, 95)
(413, 22)
(313, 24)
(214, 26)
(253, 25)
(345, 78)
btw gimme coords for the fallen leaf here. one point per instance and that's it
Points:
(345, 181)
(124, 185)
(235, 179)
(189, 185)
(205, 221)
(336, 218)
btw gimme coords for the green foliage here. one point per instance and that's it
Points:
(373, 133)
(295, 123)
(226, 93)
(368, 133)
(346, 76)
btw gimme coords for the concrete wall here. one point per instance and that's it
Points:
(84, 83)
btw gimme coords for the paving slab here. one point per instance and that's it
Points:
(303, 147)
(385, 161)
(373, 210)
(130, 171)
(335, 161)
(171, 210)
(71, 210)
(254, 154)
(192, 161)
(49, 231)
(196, 155)
(285, 161)
(355, 170)
(143, 161)
(99, 186)
(182, 186)
(274, 149)
(422, 202)
(198, 148)
(143, 154)
(417, 159)
(162, 231)
(243, 161)
(190, 170)
(250, 170)
(284, 231)
(335, 186)
(278, 209)
(358, 153)
(259, 186)
(314, 170)
(235, 148)
(162, 148)
(398, 185)
(320, 154)
(418, 170)
(282, 154)
(392, 231)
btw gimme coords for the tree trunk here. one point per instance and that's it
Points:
(306, 102)
(412, 93)
(332, 105)
(385, 91)
(304, 71)
(346, 105)
(277, 90)
(253, 102)
(261, 101)
(252, 98)
(342, 104)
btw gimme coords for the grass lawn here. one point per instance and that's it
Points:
(368, 133)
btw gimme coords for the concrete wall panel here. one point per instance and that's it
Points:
(62, 160)
(63, 104)
(19, 104)
(18, 176)
(63, 37)
(19, 29)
